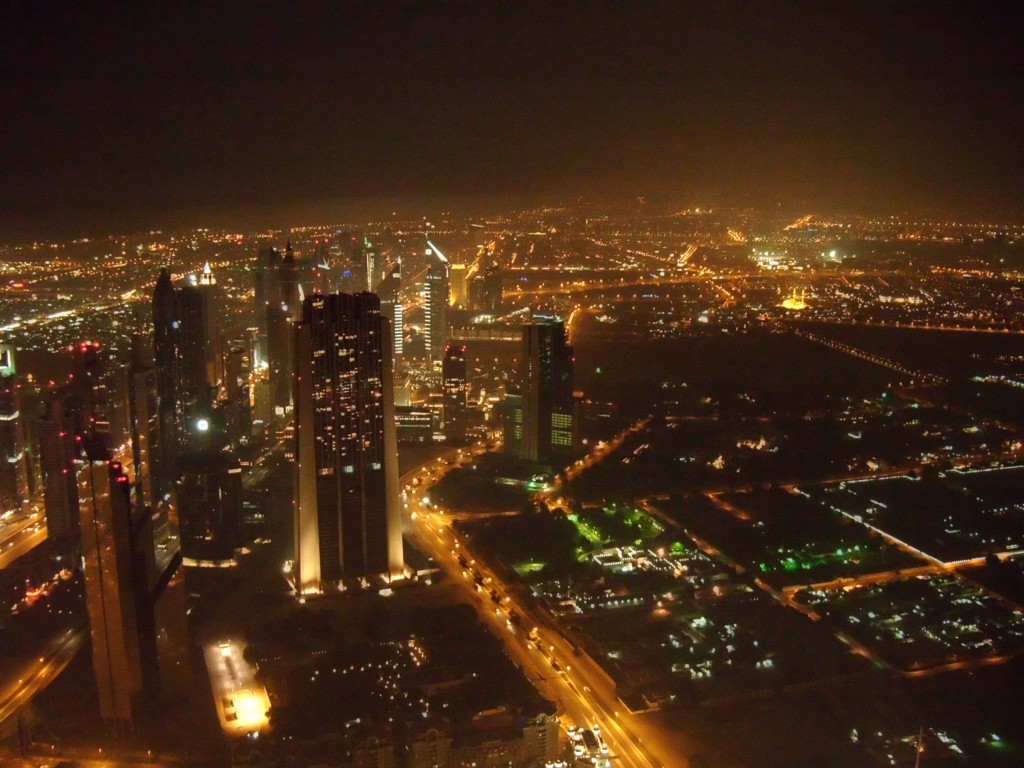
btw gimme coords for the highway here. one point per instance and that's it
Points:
(584, 693)
(20, 533)
(40, 672)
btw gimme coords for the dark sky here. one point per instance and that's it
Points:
(118, 115)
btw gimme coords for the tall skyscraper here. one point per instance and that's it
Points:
(14, 466)
(134, 589)
(459, 287)
(185, 351)
(105, 499)
(280, 314)
(455, 390)
(391, 307)
(492, 289)
(348, 512)
(435, 309)
(209, 495)
(374, 265)
(546, 381)
(144, 417)
(59, 432)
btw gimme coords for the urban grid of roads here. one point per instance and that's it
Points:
(638, 275)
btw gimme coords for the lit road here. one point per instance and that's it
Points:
(40, 672)
(583, 691)
(21, 541)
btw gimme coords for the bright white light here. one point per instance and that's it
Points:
(202, 425)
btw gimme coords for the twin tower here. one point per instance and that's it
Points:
(348, 523)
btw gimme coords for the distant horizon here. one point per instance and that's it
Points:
(360, 210)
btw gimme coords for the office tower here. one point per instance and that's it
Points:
(348, 515)
(492, 289)
(265, 289)
(457, 277)
(280, 314)
(209, 495)
(435, 309)
(546, 381)
(186, 354)
(374, 265)
(59, 434)
(236, 406)
(391, 307)
(144, 417)
(134, 591)
(455, 391)
(14, 466)
(15, 480)
(110, 581)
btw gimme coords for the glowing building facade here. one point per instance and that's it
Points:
(348, 515)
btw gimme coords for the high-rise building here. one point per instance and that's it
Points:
(455, 390)
(457, 277)
(348, 515)
(546, 382)
(144, 417)
(374, 265)
(134, 592)
(492, 286)
(186, 343)
(58, 431)
(209, 496)
(391, 307)
(435, 309)
(110, 582)
(280, 314)
(14, 466)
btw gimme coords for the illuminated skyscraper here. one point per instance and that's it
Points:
(459, 287)
(374, 265)
(105, 499)
(391, 307)
(58, 431)
(348, 516)
(546, 381)
(280, 314)
(14, 468)
(144, 418)
(134, 590)
(492, 289)
(209, 495)
(456, 390)
(185, 351)
(435, 309)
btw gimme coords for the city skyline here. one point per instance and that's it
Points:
(579, 385)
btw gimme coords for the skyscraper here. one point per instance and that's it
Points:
(435, 309)
(59, 432)
(280, 314)
(105, 499)
(348, 516)
(374, 265)
(209, 494)
(492, 289)
(455, 390)
(14, 468)
(459, 287)
(546, 381)
(134, 592)
(144, 418)
(391, 307)
(186, 341)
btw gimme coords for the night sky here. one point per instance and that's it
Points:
(118, 116)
